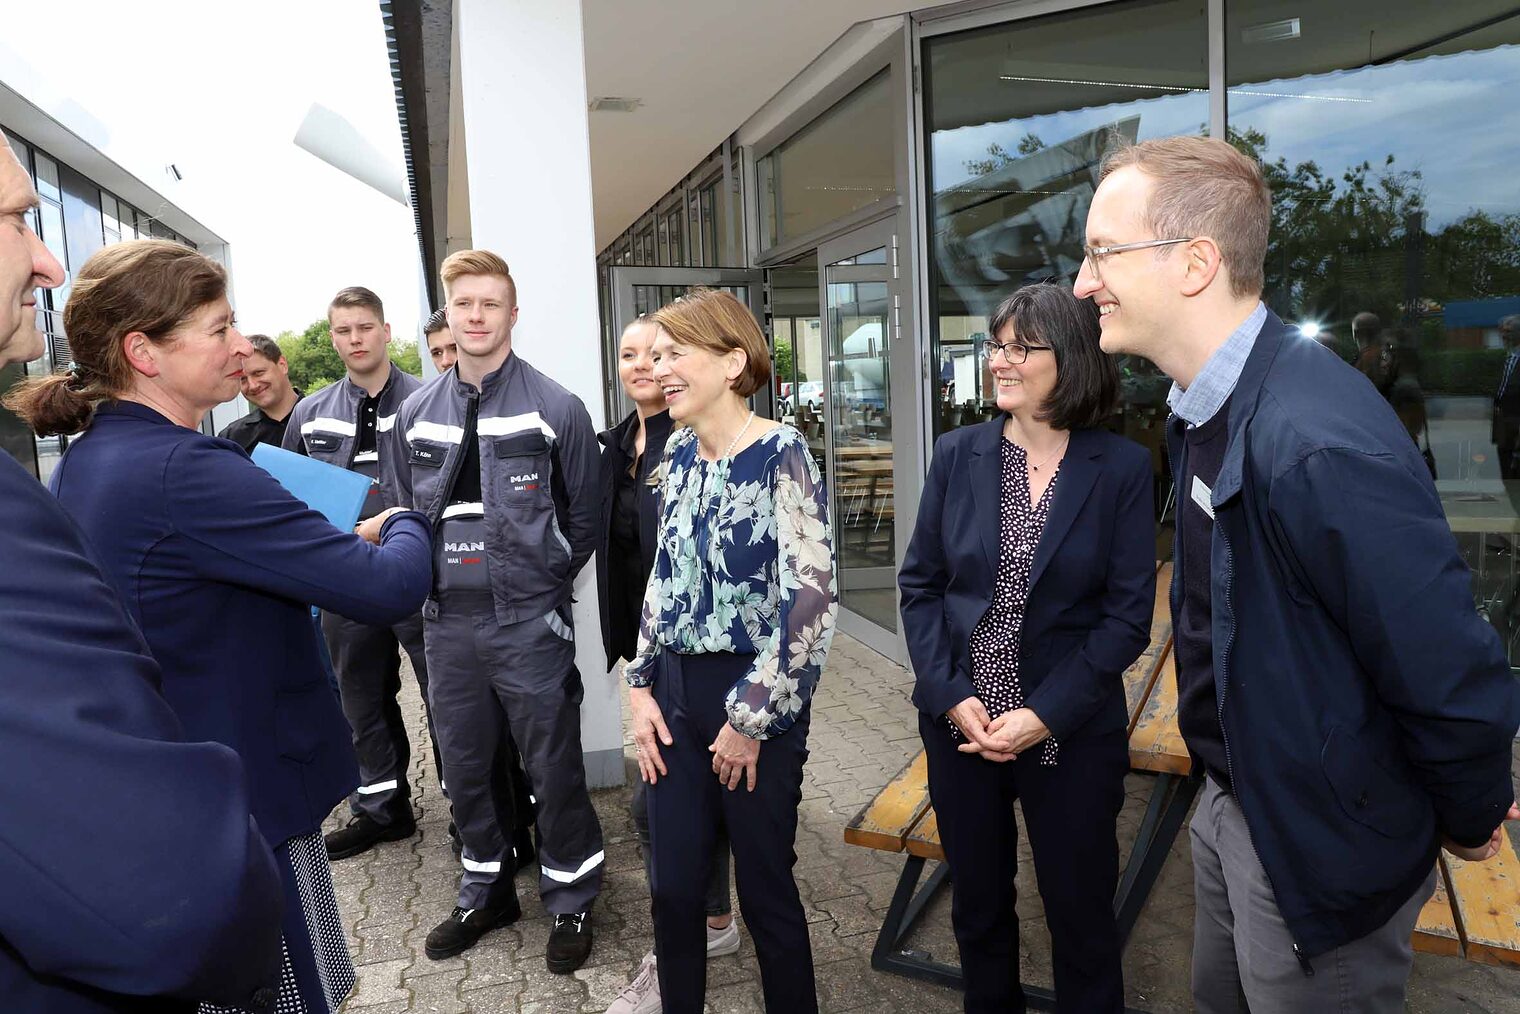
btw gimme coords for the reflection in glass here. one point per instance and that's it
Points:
(1020, 116)
(842, 161)
(859, 392)
(1388, 132)
(798, 337)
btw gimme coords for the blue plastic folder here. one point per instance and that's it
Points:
(334, 492)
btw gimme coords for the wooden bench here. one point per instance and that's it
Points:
(1475, 911)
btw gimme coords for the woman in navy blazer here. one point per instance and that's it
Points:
(217, 563)
(1023, 603)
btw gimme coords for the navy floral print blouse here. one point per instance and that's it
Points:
(745, 564)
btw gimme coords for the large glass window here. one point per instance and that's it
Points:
(842, 161)
(1019, 118)
(798, 338)
(1389, 134)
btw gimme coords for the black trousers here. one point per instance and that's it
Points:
(688, 806)
(1071, 810)
(367, 661)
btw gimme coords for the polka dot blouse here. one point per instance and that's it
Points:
(995, 641)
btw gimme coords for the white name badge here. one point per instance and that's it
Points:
(1203, 497)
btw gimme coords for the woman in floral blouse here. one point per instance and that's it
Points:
(736, 625)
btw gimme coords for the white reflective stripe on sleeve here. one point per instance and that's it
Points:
(475, 867)
(464, 510)
(424, 430)
(559, 626)
(385, 422)
(505, 425)
(367, 457)
(327, 424)
(369, 790)
(570, 878)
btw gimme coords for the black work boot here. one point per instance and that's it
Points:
(464, 926)
(569, 943)
(363, 834)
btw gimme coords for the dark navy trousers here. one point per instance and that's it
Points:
(1071, 810)
(687, 809)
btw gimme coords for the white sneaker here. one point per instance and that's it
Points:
(723, 941)
(642, 995)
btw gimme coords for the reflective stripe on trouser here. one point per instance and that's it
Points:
(367, 661)
(483, 675)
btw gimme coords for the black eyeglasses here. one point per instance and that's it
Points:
(1017, 353)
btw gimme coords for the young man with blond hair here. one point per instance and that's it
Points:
(1351, 711)
(342, 424)
(505, 463)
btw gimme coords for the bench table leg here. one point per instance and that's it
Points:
(1169, 804)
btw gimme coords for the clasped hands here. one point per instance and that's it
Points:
(736, 757)
(997, 739)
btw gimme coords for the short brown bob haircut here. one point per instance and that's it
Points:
(1205, 187)
(476, 262)
(714, 320)
(357, 295)
(1049, 315)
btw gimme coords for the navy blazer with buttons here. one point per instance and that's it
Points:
(1091, 588)
(218, 564)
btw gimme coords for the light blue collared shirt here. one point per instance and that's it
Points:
(1216, 381)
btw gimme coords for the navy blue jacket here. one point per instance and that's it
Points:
(1092, 585)
(1366, 707)
(218, 564)
(131, 876)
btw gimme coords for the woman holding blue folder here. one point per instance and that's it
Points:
(217, 562)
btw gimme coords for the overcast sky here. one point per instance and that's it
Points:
(219, 89)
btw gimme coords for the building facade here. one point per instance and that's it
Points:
(87, 202)
(923, 165)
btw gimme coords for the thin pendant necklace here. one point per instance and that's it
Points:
(1047, 459)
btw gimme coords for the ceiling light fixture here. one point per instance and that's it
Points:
(1176, 88)
(1271, 31)
(614, 104)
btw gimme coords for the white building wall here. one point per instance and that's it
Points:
(523, 80)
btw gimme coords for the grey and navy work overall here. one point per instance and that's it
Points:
(341, 425)
(508, 474)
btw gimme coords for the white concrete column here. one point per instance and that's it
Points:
(522, 72)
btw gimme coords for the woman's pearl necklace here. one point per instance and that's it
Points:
(738, 436)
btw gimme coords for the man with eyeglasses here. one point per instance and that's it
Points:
(1350, 710)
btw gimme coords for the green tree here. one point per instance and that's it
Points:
(784, 361)
(314, 363)
(407, 357)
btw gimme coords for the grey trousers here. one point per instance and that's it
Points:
(367, 661)
(483, 675)
(1243, 956)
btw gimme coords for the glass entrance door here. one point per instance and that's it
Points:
(857, 295)
(640, 290)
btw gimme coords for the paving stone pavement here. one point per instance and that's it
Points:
(864, 729)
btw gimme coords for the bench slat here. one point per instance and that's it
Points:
(885, 821)
(1436, 932)
(924, 841)
(1486, 897)
(1156, 744)
(1141, 676)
